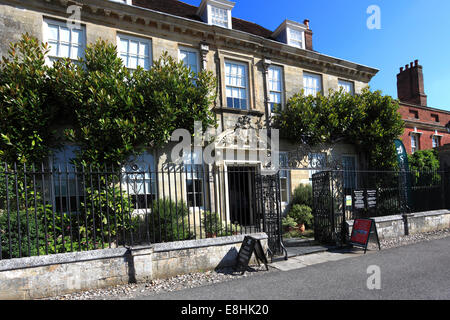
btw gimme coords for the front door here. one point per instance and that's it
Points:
(241, 194)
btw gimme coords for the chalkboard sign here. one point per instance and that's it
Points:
(248, 246)
(362, 229)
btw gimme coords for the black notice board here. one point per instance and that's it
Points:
(249, 246)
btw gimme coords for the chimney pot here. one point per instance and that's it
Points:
(401, 69)
(406, 66)
(416, 62)
(306, 23)
(411, 65)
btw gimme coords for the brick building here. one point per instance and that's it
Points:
(425, 127)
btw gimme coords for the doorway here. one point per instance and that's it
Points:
(241, 183)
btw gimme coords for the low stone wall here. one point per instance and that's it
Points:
(400, 225)
(46, 276)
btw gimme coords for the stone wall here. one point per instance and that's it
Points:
(401, 225)
(45, 276)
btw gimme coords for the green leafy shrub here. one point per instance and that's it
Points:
(109, 210)
(288, 222)
(169, 221)
(369, 120)
(212, 224)
(302, 195)
(301, 214)
(215, 226)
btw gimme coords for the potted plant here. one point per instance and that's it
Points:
(289, 224)
(302, 215)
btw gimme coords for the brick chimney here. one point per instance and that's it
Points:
(410, 85)
(308, 36)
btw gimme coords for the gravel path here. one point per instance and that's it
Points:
(193, 280)
(414, 238)
(180, 282)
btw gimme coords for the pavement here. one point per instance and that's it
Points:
(417, 271)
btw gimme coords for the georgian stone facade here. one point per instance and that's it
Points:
(168, 25)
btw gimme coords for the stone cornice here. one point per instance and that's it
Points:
(424, 126)
(98, 10)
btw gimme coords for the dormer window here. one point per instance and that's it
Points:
(219, 17)
(295, 38)
(216, 12)
(291, 33)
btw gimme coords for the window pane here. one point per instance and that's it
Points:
(123, 46)
(77, 36)
(312, 84)
(135, 52)
(53, 46)
(53, 32)
(236, 85)
(64, 50)
(144, 50)
(64, 34)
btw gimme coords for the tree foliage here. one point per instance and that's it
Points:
(369, 120)
(27, 110)
(424, 160)
(109, 111)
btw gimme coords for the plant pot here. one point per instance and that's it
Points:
(301, 227)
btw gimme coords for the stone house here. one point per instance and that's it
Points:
(255, 69)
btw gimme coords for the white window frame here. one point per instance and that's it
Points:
(194, 170)
(190, 50)
(247, 82)
(306, 88)
(288, 180)
(416, 139)
(344, 84)
(293, 42)
(140, 40)
(61, 24)
(281, 93)
(146, 175)
(436, 141)
(216, 21)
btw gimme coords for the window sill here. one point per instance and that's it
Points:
(238, 111)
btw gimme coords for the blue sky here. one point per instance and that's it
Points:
(410, 29)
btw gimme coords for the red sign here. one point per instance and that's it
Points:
(361, 231)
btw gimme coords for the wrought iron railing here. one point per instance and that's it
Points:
(66, 209)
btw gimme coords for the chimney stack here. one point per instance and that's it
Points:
(308, 36)
(410, 84)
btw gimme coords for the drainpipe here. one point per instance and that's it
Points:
(266, 64)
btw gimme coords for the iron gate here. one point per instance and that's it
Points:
(269, 209)
(328, 207)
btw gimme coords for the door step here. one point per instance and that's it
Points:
(299, 242)
(304, 250)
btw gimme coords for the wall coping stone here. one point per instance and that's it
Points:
(429, 213)
(381, 219)
(74, 257)
(209, 242)
(61, 258)
(409, 215)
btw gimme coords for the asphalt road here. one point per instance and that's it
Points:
(418, 271)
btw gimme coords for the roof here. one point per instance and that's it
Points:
(181, 9)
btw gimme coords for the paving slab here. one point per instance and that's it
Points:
(291, 264)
